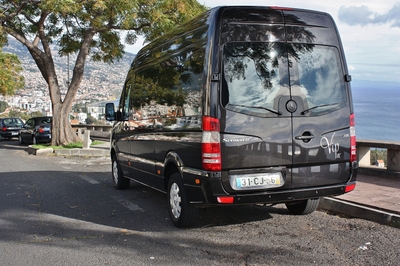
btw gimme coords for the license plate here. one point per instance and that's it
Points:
(257, 181)
(14, 133)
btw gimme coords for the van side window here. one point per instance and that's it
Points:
(167, 92)
(125, 99)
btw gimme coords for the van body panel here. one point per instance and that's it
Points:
(274, 82)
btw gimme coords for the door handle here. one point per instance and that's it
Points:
(305, 137)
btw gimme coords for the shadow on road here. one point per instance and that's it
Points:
(53, 203)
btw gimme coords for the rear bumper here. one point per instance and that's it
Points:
(9, 134)
(210, 189)
(43, 138)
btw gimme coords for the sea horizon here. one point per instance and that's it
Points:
(377, 113)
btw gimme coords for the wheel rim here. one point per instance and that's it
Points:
(115, 172)
(175, 200)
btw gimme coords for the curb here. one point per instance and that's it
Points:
(39, 152)
(82, 152)
(359, 211)
(91, 152)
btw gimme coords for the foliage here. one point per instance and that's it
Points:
(23, 115)
(3, 106)
(36, 114)
(10, 77)
(74, 145)
(378, 154)
(16, 113)
(90, 120)
(90, 29)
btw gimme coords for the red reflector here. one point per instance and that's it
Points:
(225, 200)
(349, 188)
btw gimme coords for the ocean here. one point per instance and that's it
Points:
(377, 113)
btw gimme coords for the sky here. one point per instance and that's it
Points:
(369, 29)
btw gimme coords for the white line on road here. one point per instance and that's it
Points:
(88, 179)
(127, 204)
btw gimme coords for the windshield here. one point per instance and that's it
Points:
(259, 74)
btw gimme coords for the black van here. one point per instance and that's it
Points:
(241, 105)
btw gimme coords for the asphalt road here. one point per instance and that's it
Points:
(64, 211)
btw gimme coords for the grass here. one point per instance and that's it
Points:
(68, 146)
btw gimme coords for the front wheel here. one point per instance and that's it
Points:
(303, 207)
(120, 182)
(181, 212)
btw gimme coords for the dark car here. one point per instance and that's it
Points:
(36, 130)
(9, 127)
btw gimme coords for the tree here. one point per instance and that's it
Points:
(10, 78)
(36, 114)
(3, 106)
(90, 120)
(89, 28)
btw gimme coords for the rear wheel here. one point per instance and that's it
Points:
(120, 182)
(181, 212)
(303, 207)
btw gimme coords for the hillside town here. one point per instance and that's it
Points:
(101, 83)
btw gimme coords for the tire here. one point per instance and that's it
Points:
(20, 140)
(120, 182)
(181, 212)
(303, 207)
(34, 140)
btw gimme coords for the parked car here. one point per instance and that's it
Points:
(252, 105)
(36, 130)
(9, 127)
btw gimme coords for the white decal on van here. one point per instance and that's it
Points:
(235, 140)
(332, 147)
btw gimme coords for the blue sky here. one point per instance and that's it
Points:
(370, 32)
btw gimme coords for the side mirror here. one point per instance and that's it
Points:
(110, 112)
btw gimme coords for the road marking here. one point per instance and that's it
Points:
(88, 179)
(127, 204)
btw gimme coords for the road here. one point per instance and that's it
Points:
(65, 211)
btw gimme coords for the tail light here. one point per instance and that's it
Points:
(353, 143)
(210, 144)
(4, 128)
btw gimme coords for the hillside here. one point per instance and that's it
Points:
(104, 80)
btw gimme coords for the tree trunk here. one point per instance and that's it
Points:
(62, 132)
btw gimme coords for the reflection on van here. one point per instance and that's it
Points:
(241, 105)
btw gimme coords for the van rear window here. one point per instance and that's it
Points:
(257, 74)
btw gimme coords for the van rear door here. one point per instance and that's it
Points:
(319, 91)
(256, 129)
(286, 107)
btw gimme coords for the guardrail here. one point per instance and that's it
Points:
(393, 157)
(97, 132)
(363, 151)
